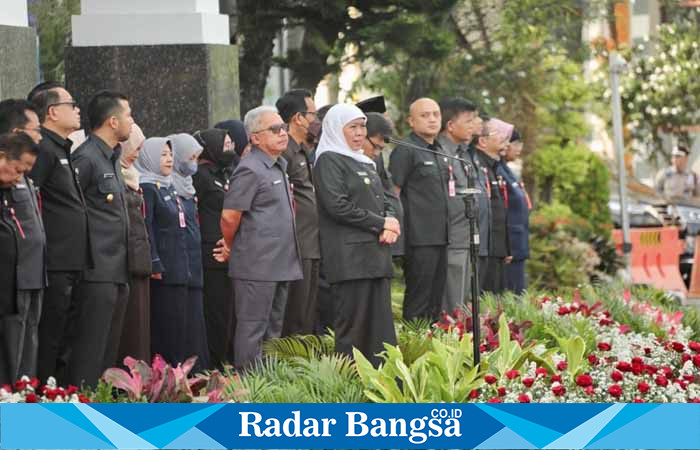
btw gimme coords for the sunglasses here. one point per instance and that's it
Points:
(275, 129)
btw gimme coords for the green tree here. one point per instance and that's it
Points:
(53, 24)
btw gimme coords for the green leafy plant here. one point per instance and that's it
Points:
(306, 347)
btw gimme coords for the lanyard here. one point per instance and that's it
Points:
(17, 222)
(180, 212)
(488, 182)
(504, 190)
(527, 196)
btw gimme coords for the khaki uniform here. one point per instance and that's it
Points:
(671, 183)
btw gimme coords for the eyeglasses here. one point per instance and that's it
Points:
(275, 129)
(375, 146)
(71, 104)
(33, 130)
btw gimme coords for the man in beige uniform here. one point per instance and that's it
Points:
(678, 180)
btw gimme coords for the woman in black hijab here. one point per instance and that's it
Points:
(211, 183)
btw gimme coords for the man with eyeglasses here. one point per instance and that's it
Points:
(298, 110)
(65, 219)
(257, 224)
(460, 124)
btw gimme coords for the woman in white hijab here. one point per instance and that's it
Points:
(136, 335)
(186, 150)
(357, 227)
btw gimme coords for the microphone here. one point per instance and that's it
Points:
(468, 164)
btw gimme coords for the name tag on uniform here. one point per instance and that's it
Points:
(108, 175)
(302, 164)
(21, 186)
(362, 174)
(429, 163)
(515, 184)
(64, 161)
(218, 184)
(276, 182)
(494, 182)
(167, 198)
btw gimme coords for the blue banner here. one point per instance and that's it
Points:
(349, 426)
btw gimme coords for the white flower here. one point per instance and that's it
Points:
(501, 100)
(485, 93)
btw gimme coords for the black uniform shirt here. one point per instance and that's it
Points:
(352, 209)
(8, 262)
(299, 171)
(499, 245)
(31, 242)
(265, 246)
(62, 205)
(100, 177)
(422, 177)
(211, 183)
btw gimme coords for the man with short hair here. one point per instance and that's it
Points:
(19, 116)
(22, 220)
(492, 267)
(65, 218)
(105, 286)
(421, 180)
(460, 124)
(298, 110)
(678, 181)
(258, 227)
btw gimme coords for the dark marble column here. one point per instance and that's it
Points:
(172, 88)
(18, 61)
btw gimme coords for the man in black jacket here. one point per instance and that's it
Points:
(104, 287)
(421, 179)
(65, 218)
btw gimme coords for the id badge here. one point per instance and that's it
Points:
(183, 224)
(451, 190)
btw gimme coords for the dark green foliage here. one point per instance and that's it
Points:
(53, 23)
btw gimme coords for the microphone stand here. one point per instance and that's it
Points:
(472, 213)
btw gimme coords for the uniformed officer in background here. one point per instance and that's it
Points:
(460, 123)
(66, 222)
(298, 110)
(18, 200)
(421, 181)
(105, 286)
(678, 181)
(492, 273)
(258, 227)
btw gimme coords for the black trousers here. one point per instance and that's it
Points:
(515, 276)
(168, 320)
(301, 314)
(491, 274)
(196, 330)
(219, 315)
(95, 344)
(363, 317)
(259, 316)
(425, 269)
(59, 316)
(20, 337)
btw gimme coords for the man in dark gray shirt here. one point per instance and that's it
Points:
(460, 123)
(105, 286)
(258, 227)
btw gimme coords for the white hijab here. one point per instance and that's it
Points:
(332, 137)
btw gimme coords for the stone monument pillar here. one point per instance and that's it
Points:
(18, 52)
(172, 58)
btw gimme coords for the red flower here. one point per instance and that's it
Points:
(661, 380)
(680, 383)
(7, 387)
(589, 390)
(71, 389)
(604, 346)
(624, 366)
(643, 387)
(677, 346)
(556, 378)
(474, 393)
(559, 390)
(20, 385)
(647, 351)
(482, 348)
(651, 370)
(694, 346)
(616, 376)
(541, 371)
(562, 365)
(605, 322)
(494, 400)
(667, 371)
(524, 398)
(83, 399)
(694, 400)
(696, 360)
(637, 367)
(615, 390)
(584, 380)
(34, 382)
(592, 359)
(528, 381)
(638, 400)
(563, 310)
(685, 357)
(512, 374)
(490, 378)
(637, 360)
(690, 378)
(31, 398)
(501, 391)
